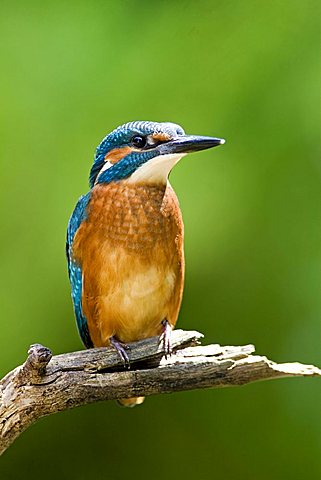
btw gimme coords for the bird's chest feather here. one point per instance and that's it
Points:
(136, 218)
(131, 251)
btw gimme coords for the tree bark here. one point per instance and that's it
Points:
(44, 385)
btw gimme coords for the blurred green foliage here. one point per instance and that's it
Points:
(244, 70)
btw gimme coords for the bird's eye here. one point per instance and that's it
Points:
(139, 141)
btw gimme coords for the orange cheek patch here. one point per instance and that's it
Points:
(117, 154)
(161, 137)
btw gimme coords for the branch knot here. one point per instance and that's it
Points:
(36, 363)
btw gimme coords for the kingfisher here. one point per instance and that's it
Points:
(125, 237)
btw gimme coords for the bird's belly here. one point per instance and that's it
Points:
(135, 296)
(140, 302)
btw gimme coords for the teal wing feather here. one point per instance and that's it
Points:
(74, 269)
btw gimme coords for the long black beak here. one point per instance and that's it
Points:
(189, 143)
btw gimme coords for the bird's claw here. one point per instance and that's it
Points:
(165, 338)
(121, 350)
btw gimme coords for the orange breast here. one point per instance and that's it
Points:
(131, 252)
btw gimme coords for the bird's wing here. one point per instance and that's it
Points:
(74, 269)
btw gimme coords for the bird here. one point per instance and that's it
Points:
(125, 239)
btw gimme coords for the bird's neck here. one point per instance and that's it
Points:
(130, 195)
(155, 171)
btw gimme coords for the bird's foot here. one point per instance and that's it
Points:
(121, 350)
(165, 337)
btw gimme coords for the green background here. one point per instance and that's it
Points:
(244, 70)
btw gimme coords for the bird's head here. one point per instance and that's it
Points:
(144, 152)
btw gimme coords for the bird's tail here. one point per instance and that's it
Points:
(130, 402)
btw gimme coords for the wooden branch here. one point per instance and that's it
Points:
(44, 385)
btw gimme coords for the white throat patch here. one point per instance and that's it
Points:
(155, 170)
